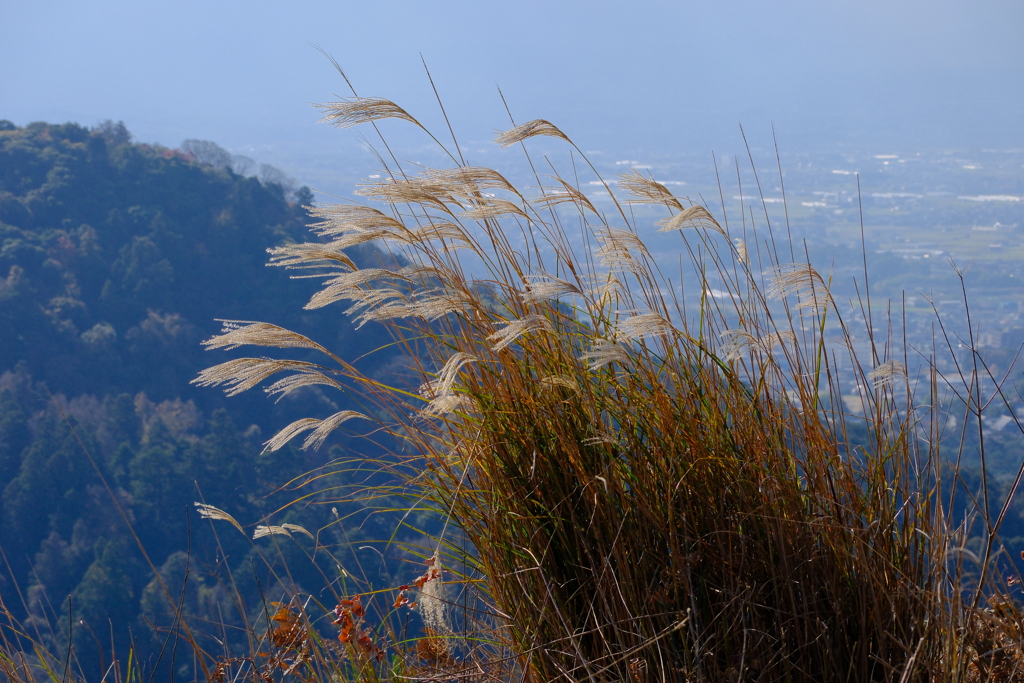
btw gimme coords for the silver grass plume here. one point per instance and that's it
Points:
(514, 329)
(447, 375)
(242, 374)
(741, 251)
(433, 603)
(283, 530)
(416, 190)
(605, 352)
(448, 403)
(235, 333)
(647, 190)
(210, 512)
(528, 130)
(547, 287)
(469, 182)
(553, 196)
(321, 429)
(287, 385)
(494, 208)
(887, 372)
(610, 287)
(391, 304)
(340, 219)
(311, 254)
(620, 250)
(355, 110)
(643, 325)
(736, 342)
(802, 280)
(347, 287)
(694, 215)
(443, 231)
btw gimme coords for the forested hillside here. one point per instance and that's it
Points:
(116, 259)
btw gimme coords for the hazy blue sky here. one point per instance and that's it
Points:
(615, 75)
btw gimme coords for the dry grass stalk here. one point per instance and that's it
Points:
(641, 505)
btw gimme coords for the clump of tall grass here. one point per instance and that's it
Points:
(651, 490)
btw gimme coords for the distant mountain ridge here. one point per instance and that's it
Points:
(115, 260)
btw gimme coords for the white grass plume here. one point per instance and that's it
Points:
(736, 342)
(470, 181)
(340, 219)
(515, 329)
(446, 404)
(528, 130)
(494, 208)
(433, 602)
(802, 280)
(741, 251)
(605, 352)
(210, 512)
(417, 191)
(647, 190)
(321, 430)
(620, 250)
(887, 372)
(643, 325)
(235, 333)
(355, 110)
(447, 375)
(553, 196)
(695, 215)
(242, 374)
(311, 254)
(547, 287)
(287, 385)
(283, 530)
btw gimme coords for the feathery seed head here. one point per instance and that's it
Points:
(802, 280)
(695, 215)
(355, 110)
(469, 182)
(528, 130)
(265, 530)
(446, 377)
(433, 603)
(235, 333)
(242, 374)
(515, 329)
(741, 251)
(553, 196)
(547, 287)
(312, 254)
(338, 219)
(210, 512)
(321, 430)
(604, 352)
(735, 342)
(419, 190)
(647, 190)
(643, 325)
(446, 404)
(494, 208)
(287, 385)
(621, 250)
(887, 372)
